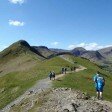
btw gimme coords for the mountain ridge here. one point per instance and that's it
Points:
(78, 51)
(102, 56)
(25, 67)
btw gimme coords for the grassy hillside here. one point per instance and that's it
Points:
(16, 83)
(21, 66)
(83, 79)
(16, 49)
(22, 62)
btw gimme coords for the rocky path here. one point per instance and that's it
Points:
(39, 87)
(36, 89)
(107, 103)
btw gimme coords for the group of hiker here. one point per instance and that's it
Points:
(98, 79)
(73, 68)
(52, 75)
(63, 70)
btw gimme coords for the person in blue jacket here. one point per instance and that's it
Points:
(99, 85)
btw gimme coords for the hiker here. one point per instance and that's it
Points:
(71, 69)
(99, 84)
(53, 75)
(65, 69)
(74, 68)
(50, 75)
(62, 70)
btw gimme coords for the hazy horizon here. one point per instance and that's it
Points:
(61, 48)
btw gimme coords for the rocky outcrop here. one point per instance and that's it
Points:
(68, 100)
(60, 100)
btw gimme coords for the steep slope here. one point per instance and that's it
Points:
(17, 49)
(107, 63)
(106, 52)
(20, 56)
(79, 51)
(91, 55)
(44, 51)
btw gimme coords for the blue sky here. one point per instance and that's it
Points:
(57, 23)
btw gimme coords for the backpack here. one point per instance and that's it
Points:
(100, 81)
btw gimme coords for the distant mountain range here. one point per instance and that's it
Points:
(102, 56)
(43, 51)
(91, 55)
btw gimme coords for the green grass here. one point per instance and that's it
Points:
(16, 83)
(83, 79)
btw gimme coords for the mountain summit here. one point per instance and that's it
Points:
(18, 48)
(78, 51)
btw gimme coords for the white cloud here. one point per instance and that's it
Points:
(72, 46)
(17, 1)
(54, 43)
(88, 46)
(16, 23)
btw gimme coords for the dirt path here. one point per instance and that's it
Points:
(81, 68)
(36, 89)
(39, 87)
(46, 84)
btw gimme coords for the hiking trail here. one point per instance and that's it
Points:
(39, 87)
(61, 99)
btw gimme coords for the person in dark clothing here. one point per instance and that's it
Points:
(74, 68)
(71, 69)
(65, 70)
(53, 75)
(62, 70)
(50, 75)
